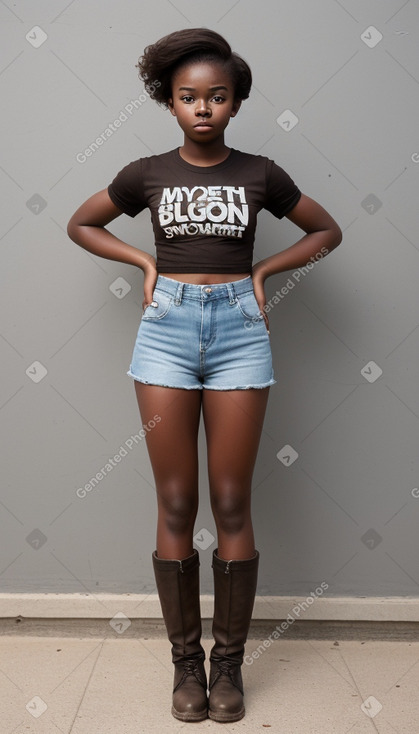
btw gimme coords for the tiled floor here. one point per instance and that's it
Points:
(98, 685)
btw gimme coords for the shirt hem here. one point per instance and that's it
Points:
(205, 269)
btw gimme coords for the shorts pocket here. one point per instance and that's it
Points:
(248, 305)
(159, 307)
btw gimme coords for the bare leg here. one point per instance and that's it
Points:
(233, 422)
(173, 451)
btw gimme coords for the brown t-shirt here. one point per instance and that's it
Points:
(204, 217)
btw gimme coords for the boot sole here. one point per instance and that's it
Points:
(225, 716)
(198, 716)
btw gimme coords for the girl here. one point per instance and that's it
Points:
(203, 342)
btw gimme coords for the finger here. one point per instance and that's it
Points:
(148, 297)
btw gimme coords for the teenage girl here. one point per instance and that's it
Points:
(203, 342)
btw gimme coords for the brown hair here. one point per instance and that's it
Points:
(161, 59)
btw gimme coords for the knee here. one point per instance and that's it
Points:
(178, 510)
(231, 510)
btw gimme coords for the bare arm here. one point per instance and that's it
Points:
(323, 234)
(87, 229)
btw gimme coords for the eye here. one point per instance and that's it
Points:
(187, 98)
(219, 98)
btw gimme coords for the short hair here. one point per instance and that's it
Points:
(180, 48)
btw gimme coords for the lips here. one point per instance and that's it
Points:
(203, 124)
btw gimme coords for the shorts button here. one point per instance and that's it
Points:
(208, 290)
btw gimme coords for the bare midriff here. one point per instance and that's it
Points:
(205, 278)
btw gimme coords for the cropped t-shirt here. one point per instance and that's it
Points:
(204, 217)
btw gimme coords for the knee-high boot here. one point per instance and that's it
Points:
(178, 588)
(234, 595)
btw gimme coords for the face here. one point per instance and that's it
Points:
(203, 100)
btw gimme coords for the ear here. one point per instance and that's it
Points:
(170, 106)
(236, 106)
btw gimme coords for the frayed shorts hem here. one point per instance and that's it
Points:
(162, 384)
(241, 387)
(201, 387)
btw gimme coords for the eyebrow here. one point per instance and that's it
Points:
(212, 89)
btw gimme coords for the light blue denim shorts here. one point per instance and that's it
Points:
(203, 336)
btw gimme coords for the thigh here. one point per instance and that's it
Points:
(233, 422)
(173, 442)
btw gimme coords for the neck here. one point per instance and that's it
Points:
(204, 154)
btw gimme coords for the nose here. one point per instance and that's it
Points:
(202, 108)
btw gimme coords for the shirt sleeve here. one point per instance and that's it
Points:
(127, 189)
(282, 194)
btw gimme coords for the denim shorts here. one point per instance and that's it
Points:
(203, 336)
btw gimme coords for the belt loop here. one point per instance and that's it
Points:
(231, 293)
(178, 296)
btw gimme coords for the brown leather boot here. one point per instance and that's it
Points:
(178, 588)
(234, 595)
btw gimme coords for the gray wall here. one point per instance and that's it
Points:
(344, 335)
